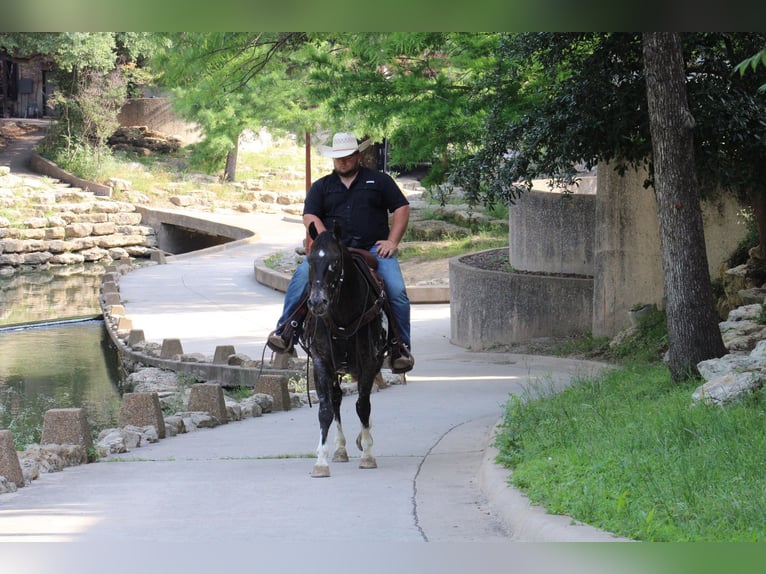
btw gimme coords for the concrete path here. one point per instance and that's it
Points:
(18, 151)
(250, 479)
(244, 488)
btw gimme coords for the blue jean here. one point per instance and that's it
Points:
(393, 283)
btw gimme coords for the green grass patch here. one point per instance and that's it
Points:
(628, 452)
(431, 250)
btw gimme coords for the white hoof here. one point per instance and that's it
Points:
(320, 471)
(368, 462)
(340, 455)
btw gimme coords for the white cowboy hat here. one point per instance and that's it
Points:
(343, 144)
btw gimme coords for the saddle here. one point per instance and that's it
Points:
(368, 265)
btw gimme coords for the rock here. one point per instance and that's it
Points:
(728, 388)
(153, 379)
(110, 441)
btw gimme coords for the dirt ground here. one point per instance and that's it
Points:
(10, 131)
(435, 272)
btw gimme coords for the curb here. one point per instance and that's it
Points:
(528, 522)
(278, 281)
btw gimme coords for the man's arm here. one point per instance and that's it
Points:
(308, 219)
(399, 222)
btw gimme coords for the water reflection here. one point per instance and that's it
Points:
(47, 365)
(57, 293)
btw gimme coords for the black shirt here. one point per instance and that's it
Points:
(361, 210)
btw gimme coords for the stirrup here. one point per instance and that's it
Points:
(402, 360)
(281, 342)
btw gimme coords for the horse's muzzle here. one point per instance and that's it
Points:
(318, 303)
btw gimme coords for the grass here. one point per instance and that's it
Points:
(450, 247)
(630, 453)
(277, 168)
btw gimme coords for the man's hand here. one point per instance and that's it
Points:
(386, 248)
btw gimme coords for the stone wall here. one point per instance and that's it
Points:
(68, 226)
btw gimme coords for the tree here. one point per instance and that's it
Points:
(92, 72)
(425, 92)
(228, 82)
(692, 320)
(591, 106)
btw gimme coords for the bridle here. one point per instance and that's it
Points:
(334, 289)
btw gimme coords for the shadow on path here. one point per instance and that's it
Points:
(19, 149)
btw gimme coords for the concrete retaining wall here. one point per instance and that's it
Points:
(495, 308)
(552, 232)
(628, 256)
(612, 236)
(45, 167)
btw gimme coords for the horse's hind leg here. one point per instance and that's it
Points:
(363, 409)
(340, 454)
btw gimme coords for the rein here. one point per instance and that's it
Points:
(368, 315)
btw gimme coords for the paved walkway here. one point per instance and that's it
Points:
(248, 482)
(250, 479)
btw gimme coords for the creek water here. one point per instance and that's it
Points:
(55, 351)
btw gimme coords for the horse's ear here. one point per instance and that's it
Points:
(336, 230)
(313, 230)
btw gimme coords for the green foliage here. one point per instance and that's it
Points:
(751, 64)
(240, 393)
(649, 342)
(629, 453)
(92, 72)
(742, 252)
(228, 82)
(432, 250)
(595, 110)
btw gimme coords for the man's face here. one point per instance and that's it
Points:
(347, 166)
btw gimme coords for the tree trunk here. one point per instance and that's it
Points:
(230, 171)
(693, 331)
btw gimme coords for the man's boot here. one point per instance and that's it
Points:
(402, 360)
(400, 357)
(282, 339)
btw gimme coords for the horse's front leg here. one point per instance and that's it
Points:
(323, 381)
(340, 454)
(363, 409)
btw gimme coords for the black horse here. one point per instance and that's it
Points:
(344, 334)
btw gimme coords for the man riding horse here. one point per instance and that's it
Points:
(360, 200)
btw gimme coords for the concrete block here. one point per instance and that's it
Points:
(110, 275)
(109, 287)
(124, 324)
(117, 310)
(111, 299)
(222, 353)
(135, 337)
(10, 467)
(276, 386)
(67, 426)
(282, 360)
(142, 409)
(208, 397)
(171, 348)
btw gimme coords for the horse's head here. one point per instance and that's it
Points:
(326, 262)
